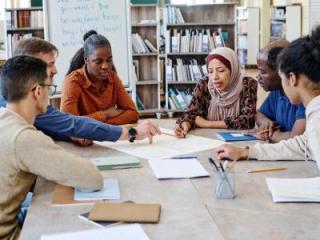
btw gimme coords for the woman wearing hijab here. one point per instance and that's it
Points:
(225, 99)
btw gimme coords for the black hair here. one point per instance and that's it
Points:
(77, 60)
(272, 57)
(19, 74)
(302, 56)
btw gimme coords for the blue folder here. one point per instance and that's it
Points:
(233, 137)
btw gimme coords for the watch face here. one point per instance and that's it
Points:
(132, 132)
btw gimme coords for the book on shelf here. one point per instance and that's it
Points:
(139, 103)
(194, 40)
(136, 68)
(24, 19)
(185, 70)
(173, 15)
(140, 45)
(150, 46)
(179, 99)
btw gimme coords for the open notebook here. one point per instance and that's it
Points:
(294, 189)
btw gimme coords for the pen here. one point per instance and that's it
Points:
(221, 166)
(270, 169)
(187, 157)
(211, 161)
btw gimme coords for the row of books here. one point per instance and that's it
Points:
(179, 99)
(185, 70)
(24, 19)
(194, 40)
(172, 15)
(140, 45)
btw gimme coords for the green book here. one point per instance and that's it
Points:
(117, 162)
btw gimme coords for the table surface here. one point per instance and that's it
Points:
(189, 208)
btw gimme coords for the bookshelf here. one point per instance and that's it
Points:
(145, 35)
(190, 34)
(247, 34)
(22, 23)
(285, 22)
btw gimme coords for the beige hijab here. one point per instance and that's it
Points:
(226, 103)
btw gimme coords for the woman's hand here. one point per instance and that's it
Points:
(182, 131)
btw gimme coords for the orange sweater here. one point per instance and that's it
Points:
(80, 97)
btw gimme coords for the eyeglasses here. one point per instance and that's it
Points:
(52, 88)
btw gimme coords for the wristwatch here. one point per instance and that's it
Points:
(132, 132)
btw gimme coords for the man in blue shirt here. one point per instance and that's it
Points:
(277, 118)
(63, 126)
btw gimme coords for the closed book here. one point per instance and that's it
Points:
(126, 212)
(117, 162)
(233, 137)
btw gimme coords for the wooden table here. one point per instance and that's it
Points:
(189, 208)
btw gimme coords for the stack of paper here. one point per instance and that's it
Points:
(123, 232)
(177, 168)
(109, 191)
(294, 189)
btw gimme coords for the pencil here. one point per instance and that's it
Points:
(169, 134)
(270, 169)
(267, 130)
(253, 132)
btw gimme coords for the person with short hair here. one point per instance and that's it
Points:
(26, 152)
(277, 117)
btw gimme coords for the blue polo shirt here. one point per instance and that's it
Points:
(278, 108)
(60, 126)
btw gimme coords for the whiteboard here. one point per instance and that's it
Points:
(68, 20)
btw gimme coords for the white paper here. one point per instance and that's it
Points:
(110, 191)
(237, 135)
(294, 189)
(164, 146)
(177, 168)
(122, 232)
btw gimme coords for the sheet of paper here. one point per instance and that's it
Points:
(177, 168)
(121, 232)
(294, 189)
(237, 135)
(164, 146)
(110, 191)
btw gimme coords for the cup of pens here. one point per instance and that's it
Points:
(224, 180)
